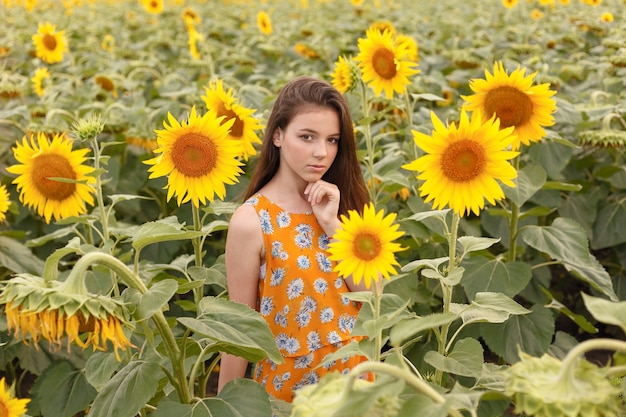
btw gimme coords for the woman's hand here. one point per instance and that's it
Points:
(324, 198)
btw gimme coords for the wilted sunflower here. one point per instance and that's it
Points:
(244, 124)
(50, 44)
(5, 202)
(264, 23)
(364, 247)
(345, 75)
(52, 179)
(515, 101)
(382, 64)
(10, 406)
(37, 80)
(462, 164)
(48, 310)
(197, 157)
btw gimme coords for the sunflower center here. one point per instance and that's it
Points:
(86, 325)
(366, 246)
(237, 129)
(463, 160)
(510, 105)
(194, 155)
(49, 41)
(384, 63)
(48, 166)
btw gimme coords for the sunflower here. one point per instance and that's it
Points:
(9, 405)
(244, 125)
(5, 202)
(197, 157)
(515, 101)
(345, 75)
(264, 23)
(37, 80)
(462, 164)
(51, 176)
(381, 63)
(108, 43)
(408, 47)
(37, 309)
(364, 247)
(153, 6)
(50, 44)
(509, 3)
(607, 17)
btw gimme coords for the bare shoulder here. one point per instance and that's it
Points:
(244, 230)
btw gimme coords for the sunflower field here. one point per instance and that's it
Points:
(492, 135)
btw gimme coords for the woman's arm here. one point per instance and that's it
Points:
(244, 244)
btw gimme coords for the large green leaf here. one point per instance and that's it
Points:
(62, 391)
(610, 225)
(128, 391)
(100, 367)
(410, 327)
(155, 298)
(18, 258)
(466, 359)
(234, 328)
(566, 242)
(531, 333)
(529, 180)
(606, 311)
(494, 275)
(163, 230)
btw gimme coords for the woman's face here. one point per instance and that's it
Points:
(309, 144)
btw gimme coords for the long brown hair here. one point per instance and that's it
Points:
(345, 172)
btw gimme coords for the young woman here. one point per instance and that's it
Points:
(276, 259)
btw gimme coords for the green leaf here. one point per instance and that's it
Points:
(18, 258)
(164, 230)
(62, 391)
(466, 359)
(561, 186)
(531, 333)
(529, 180)
(235, 328)
(609, 226)
(422, 406)
(473, 243)
(128, 391)
(566, 242)
(422, 263)
(100, 367)
(410, 327)
(606, 311)
(579, 319)
(208, 276)
(157, 296)
(494, 275)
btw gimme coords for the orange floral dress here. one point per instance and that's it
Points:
(301, 299)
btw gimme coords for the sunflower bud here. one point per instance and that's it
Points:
(605, 138)
(324, 398)
(89, 128)
(540, 387)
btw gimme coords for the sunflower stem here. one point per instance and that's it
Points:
(447, 291)
(197, 244)
(513, 224)
(133, 281)
(567, 366)
(368, 142)
(99, 195)
(413, 381)
(379, 332)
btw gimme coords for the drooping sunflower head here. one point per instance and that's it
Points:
(539, 387)
(383, 64)
(364, 248)
(10, 406)
(515, 101)
(462, 165)
(197, 156)
(346, 74)
(48, 310)
(52, 178)
(50, 45)
(244, 124)
(41, 74)
(264, 23)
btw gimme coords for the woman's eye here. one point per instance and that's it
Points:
(333, 140)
